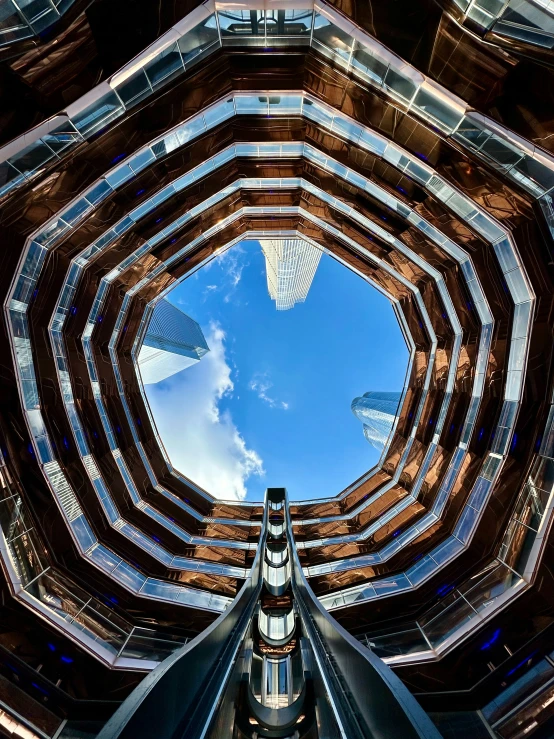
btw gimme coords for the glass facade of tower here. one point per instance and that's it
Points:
(291, 265)
(172, 342)
(377, 412)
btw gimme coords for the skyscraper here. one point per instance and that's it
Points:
(172, 342)
(377, 412)
(290, 266)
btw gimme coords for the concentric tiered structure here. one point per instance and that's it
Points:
(413, 143)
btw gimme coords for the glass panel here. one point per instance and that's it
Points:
(370, 66)
(405, 642)
(431, 106)
(99, 114)
(542, 475)
(519, 543)
(134, 89)
(95, 627)
(448, 622)
(32, 158)
(61, 138)
(400, 85)
(500, 151)
(39, 13)
(196, 43)
(10, 20)
(537, 172)
(9, 177)
(24, 549)
(52, 590)
(15, 32)
(331, 40)
(166, 65)
(240, 23)
(150, 648)
(495, 583)
(296, 22)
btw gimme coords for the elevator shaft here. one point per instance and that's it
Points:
(274, 665)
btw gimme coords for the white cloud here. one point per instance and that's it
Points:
(202, 442)
(233, 263)
(260, 384)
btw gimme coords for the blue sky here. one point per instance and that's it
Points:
(269, 405)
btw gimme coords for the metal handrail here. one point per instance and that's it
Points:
(180, 697)
(368, 699)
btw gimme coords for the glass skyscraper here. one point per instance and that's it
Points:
(377, 412)
(172, 342)
(290, 266)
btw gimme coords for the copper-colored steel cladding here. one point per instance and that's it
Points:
(511, 83)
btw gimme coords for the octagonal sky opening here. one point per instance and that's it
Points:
(277, 339)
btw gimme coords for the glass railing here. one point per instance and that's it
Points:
(485, 225)
(527, 21)
(126, 575)
(207, 235)
(325, 226)
(334, 36)
(519, 708)
(468, 606)
(24, 19)
(521, 549)
(86, 620)
(532, 171)
(454, 618)
(244, 150)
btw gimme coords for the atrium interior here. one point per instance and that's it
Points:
(410, 142)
